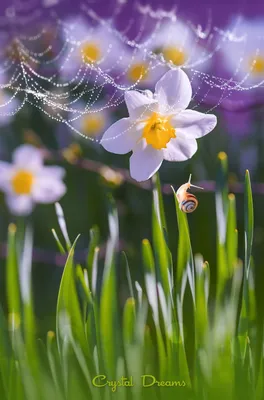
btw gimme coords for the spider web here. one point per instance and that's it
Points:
(46, 67)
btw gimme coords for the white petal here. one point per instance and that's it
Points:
(122, 136)
(139, 105)
(20, 205)
(144, 162)
(180, 149)
(4, 168)
(173, 91)
(193, 123)
(9, 106)
(52, 172)
(5, 174)
(27, 156)
(47, 190)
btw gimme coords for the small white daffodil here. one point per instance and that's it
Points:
(9, 103)
(138, 69)
(26, 181)
(242, 50)
(97, 47)
(90, 122)
(179, 45)
(158, 127)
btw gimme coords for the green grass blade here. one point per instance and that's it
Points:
(128, 276)
(158, 199)
(160, 246)
(62, 225)
(185, 264)
(58, 242)
(249, 221)
(109, 326)
(12, 274)
(221, 200)
(92, 254)
(109, 323)
(68, 307)
(231, 235)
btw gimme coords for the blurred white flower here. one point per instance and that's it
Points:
(26, 181)
(9, 103)
(179, 44)
(96, 46)
(158, 126)
(174, 42)
(242, 50)
(140, 69)
(90, 122)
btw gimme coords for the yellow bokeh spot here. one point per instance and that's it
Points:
(72, 153)
(51, 335)
(22, 182)
(175, 55)
(222, 155)
(91, 52)
(257, 65)
(92, 124)
(158, 131)
(14, 321)
(111, 176)
(138, 71)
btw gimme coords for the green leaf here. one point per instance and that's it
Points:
(128, 275)
(129, 320)
(158, 200)
(221, 200)
(58, 242)
(62, 224)
(201, 293)
(12, 275)
(109, 327)
(92, 254)
(249, 221)
(231, 235)
(161, 251)
(69, 318)
(185, 263)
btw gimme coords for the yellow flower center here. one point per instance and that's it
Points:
(138, 71)
(91, 52)
(175, 55)
(158, 131)
(257, 65)
(22, 182)
(92, 124)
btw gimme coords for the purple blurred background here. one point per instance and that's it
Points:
(202, 12)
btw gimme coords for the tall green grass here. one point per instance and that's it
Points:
(174, 337)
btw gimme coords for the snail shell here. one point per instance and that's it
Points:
(189, 204)
(187, 201)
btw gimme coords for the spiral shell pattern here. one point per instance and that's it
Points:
(189, 204)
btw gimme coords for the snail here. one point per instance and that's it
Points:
(187, 201)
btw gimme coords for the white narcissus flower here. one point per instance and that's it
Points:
(9, 103)
(158, 127)
(242, 50)
(139, 69)
(9, 106)
(97, 46)
(90, 122)
(178, 44)
(26, 181)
